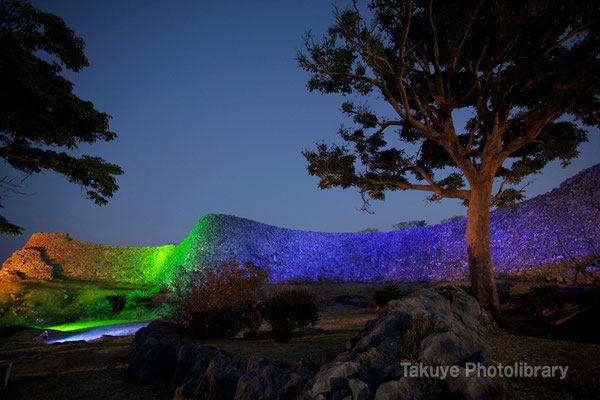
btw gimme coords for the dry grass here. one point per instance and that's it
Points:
(339, 324)
(97, 369)
(583, 377)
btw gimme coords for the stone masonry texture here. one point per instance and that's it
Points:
(560, 226)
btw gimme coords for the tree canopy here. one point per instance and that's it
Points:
(526, 71)
(40, 117)
(516, 66)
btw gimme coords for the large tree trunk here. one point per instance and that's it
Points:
(483, 285)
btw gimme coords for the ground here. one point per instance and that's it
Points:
(98, 369)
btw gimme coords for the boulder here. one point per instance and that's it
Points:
(370, 368)
(475, 387)
(333, 379)
(402, 389)
(155, 360)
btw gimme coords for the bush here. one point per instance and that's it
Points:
(289, 309)
(218, 300)
(417, 330)
(405, 225)
(98, 309)
(385, 295)
(453, 219)
(539, 299)
(140, 302)
(117, 302)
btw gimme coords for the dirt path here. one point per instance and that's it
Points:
(73, 370)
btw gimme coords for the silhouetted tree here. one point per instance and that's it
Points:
(369, 230)
(404, 225)
(39, 114)
(452, 219)
(519, 67)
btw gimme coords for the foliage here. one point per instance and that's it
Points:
(385, 295)
(404, 225)
(498, 61)
(117, 301)
(418, 329)
(218, 300)
(140, 302)
(287, 310)
(369, 230)
(453, 219)
(523, 71)
(538, 299)
(39, 114)
(317, 361)
(99, 309)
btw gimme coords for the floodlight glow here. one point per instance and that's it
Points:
(99, 331)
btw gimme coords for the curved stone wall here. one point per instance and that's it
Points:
(561, 225)
(56, 255)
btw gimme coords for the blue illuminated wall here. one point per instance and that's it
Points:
(558, 226)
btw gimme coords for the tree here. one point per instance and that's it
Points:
(452, 219)
(40, 116)
(404, 225)
(369, 230)
(525, 70)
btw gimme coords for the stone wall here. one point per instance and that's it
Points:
(557, 227)
(56, 255)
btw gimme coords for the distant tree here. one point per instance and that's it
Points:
(39, 114)
(404, 225)
(453, 219)
(369, 230)
(523, 69)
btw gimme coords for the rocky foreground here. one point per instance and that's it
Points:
(373, 366)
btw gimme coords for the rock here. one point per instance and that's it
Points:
(192, 360)
(333, 378)
(442, 349)
(345, 356)
(157, 329)
(155, 360)
(371, 367)
(403, 389)
(465, 307)
(359, 389)
(250, 387)
(219, 381)
(388, 326)
(297, 381)
(389, 345)
(475, 387)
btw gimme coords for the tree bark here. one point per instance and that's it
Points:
(483, 284)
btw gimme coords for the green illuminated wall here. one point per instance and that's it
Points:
(72, 259)
(58, 255)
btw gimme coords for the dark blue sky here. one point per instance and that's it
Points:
(212, 113)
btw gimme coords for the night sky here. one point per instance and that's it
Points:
(212, 112)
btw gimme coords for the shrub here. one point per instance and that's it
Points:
(140, 302)
(417, 330)
(538, 299)
(99, 309)
(218, 300)
(385, 295)
(117, 302)
(453, 219)
(405, 225)
(287, 310)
